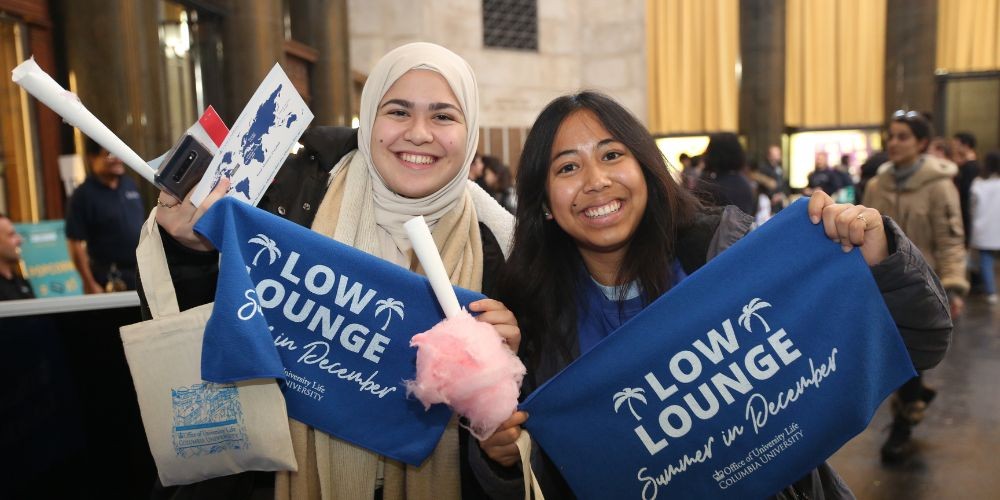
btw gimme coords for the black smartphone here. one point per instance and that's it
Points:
(185, 166)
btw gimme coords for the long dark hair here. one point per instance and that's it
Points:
(542, 276)
(724, 154)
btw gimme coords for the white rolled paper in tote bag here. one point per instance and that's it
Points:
(66, 104)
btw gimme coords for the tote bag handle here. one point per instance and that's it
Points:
(530, 482)
(153, 271)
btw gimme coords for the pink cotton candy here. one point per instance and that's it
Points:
(465, 364)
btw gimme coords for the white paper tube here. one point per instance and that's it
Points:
(39, 84)
(430, 259)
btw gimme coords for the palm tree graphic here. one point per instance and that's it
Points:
(266, 244)
(627, 395)
(750, 312)
(393, 306)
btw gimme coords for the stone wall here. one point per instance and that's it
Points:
(582, 44)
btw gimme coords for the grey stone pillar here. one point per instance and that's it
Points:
(254, 38)
(910, 45)
(331, 75)
(113, 54)
(762, 87)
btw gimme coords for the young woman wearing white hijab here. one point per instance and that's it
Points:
(411, 155)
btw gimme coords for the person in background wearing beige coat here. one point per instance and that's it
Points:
(917, 191)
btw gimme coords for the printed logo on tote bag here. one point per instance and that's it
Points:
(207, 419)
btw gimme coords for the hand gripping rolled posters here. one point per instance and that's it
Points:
(736, 383)
(334, 323)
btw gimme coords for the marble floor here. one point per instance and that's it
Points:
(957, 453)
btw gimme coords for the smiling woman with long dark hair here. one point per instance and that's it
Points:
(603, 230)
(548, 259)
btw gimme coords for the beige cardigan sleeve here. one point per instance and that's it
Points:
(949, 238)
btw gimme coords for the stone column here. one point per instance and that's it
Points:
(113, 55)
(762, 87)
(331, 75)
(254, 39)
(910, 47)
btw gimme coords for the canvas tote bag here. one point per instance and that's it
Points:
(196, 430)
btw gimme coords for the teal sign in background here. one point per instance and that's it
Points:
(46, 259)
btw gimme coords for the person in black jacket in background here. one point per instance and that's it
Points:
(13, 286)
(968, 169)
(723, 178)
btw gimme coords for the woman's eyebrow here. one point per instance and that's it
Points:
(401, 102)
(434, 106)
(564, 153)
(438, 106)
(604, 142)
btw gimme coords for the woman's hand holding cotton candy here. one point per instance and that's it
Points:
(465, 364)
(501, 447)
(179, 217)
(496, 313)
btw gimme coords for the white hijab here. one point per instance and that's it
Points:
(392, 209)
(360, 210)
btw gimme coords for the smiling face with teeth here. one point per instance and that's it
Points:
(596, 190)
(419, 136)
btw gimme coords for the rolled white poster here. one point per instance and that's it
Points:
(66, 104)
(430, 259)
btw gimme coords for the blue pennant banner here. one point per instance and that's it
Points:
(332, 322)
(736, 383)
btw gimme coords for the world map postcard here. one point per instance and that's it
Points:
(259, 141)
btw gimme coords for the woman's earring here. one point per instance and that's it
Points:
(546, 212)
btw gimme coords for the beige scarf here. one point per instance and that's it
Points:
(360, 211)
(332, 469)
